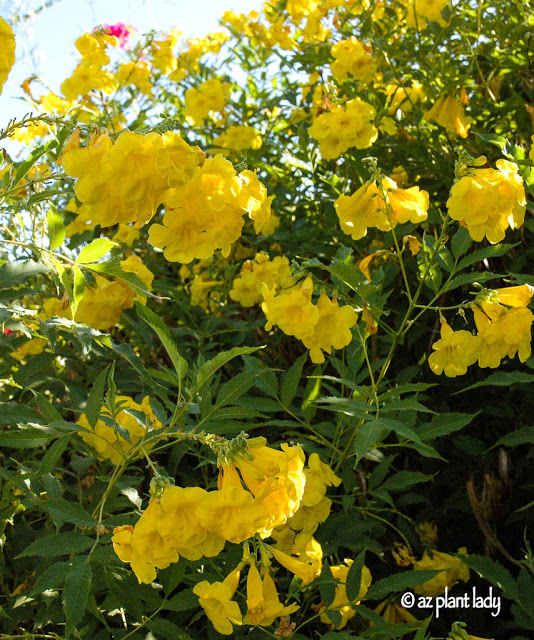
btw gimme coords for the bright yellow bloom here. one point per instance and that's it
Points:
(452, 570)
(449, 113)
(351, 125)
(246, 288)
(136, 73)
(403, 98)
(332, 328)
(106, 440)
(394, 613)
(488, 201)
(7, 51)
(263, 604)
(239, 138)
(293, 311)
(506, 332)
(178, 521)
(302, 570)
(422, 11)
(341, 601)
(254, 200)
(126, 234)
(456, 351)
(519, 296)
(210, 97)
(354, 58)
(216, 600)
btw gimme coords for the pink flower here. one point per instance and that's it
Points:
(120, 30)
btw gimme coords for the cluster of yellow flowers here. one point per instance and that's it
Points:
(205, 199)
(239, 138)
(209, 98)
(501, 333)
(403, 97)
(246, 288)
(7, 51)
(488, 201)
(353, 58)
(382, 207)
(320, 327)
(89, 74)
(343, 127)
(422, 11)
(107, 440)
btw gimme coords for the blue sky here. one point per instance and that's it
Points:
(54, 31)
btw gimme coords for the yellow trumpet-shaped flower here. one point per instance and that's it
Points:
(263, 603)
(456, 351)
(216, 600)
(452, 570)
(449, 113)
(341, 601)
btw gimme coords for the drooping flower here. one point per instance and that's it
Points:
(454, 352)
(451, 568)
(449, 113)
(263, 603)
(216, 600)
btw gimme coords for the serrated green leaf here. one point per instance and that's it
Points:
(51, 578)
(14, 273)
(24, 166)
(232, 390)
(64, 511)
(461, 242)
(421, 632)
(327, 585)
(25, 438)
(493, 251)
(53, 454)
(76, 594)
(354, 577)
(77, 289)
(470, 278)
(399, 582)
(369, 435)
(213, 365)
(12, 412)
(444, 424)
(494, 572)
(95, 398)
(56, 230)
(291, 380)
(95, 250)
(515, 438)
(165, 629)
(501, 379)
(47, 410)
(113, 268)
(403, 480)
(182, 601)
(163, 333)
(60, 544)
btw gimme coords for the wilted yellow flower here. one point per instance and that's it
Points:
(452, 570)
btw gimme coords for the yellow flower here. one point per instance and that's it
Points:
(402, 555)
(209, 98)
(239, 138)
(293, 311)
(488, 201)
(332, 328)
(341, 601)
(108, 441)
(449, 113)
(216, 600)
(422, 11)
(33, 347)
(352, 57)
(403, 98)
(7, 51)
(126, 234)
(263, 604)
(519, 296)
(456, 351)
(394, 613)
(246, 288)
(452, 570)
(302, 570)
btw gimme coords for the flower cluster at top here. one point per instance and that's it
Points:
(205, 199)
(320, 326)
(501, 333)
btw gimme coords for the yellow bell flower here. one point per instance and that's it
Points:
(454, 352)
(452, 570)
(449, 113)
(293, 312)
(263, 604)
(216, 600)
(341, 601)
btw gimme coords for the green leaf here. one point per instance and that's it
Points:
(12, 412)
(369, 435)
(163, 333)
(404, 479)
(95, 250)
(48, 411)
(76, 594)
(182, 601)
(25, 438)
(95, 398)
(77, 290)
(64, 511)
(113, 268)
(444, 424)
(461, 242)
(494, 572)
(327, 585)
(162, 628)
(51, 578)
(501, 379)
(399, 582)
(421, 632)
(470, 278)
(521, 436)
(14, 273)
(354, 577)
(56, 230)
(493, 251)
(60, 544)
(232, 390)
(291, 380)
(24, 166)
(53, 454)
(213, 365)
